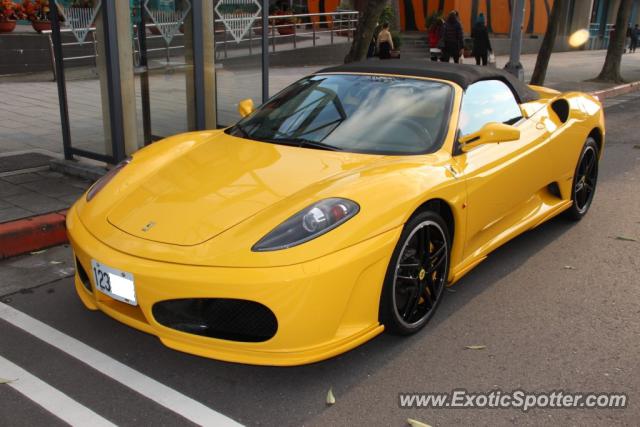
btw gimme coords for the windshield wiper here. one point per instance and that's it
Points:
(301, 142)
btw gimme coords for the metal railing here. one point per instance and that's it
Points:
(282, 30)
(340, 23)
(599, 39)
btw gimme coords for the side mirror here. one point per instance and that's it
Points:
(490, 133)
(245, 107)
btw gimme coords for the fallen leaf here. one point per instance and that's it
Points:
(330, 397)
(637, 147)
(625, 239)
(569, 267)
(415, 423)
(38, 252)
(5, 381)
(476, 347)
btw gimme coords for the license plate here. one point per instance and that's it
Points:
(115, 283)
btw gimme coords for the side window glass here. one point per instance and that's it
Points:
(487, 101)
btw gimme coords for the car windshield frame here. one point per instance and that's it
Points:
(443, 115)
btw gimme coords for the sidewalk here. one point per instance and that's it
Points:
(30, 123)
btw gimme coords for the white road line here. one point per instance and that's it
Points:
(148, 387)
(51, 399)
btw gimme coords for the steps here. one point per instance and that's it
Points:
(414, 45)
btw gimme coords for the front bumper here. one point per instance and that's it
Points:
(323, 307)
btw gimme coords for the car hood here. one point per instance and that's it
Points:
(220, 183)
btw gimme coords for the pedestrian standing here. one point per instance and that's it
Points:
(635, 33)
(435, 32)
(481, 42)
(385, 42)
(452, 41)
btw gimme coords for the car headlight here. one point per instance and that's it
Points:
(102, 182)
(309, 223)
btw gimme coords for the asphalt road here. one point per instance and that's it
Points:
(557, 308)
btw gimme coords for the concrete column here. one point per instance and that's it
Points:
(581, 15)
(101, 67)
(573, 20)
(210, 110)
(127, 81)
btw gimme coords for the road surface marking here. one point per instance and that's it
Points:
(171, 399)
(51, 399)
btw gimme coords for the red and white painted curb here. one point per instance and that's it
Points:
(612, 92)
(31, 234)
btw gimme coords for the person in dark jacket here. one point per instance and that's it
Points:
(481, 42)
(451, 41)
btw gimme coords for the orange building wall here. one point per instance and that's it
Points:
(500, 17)
(326, 6)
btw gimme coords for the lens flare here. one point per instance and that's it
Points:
(579, 38)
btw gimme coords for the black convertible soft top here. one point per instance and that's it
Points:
(461, 74)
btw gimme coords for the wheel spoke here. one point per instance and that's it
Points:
(589, 165)
(409, 278)
(437, 257)
(422, 244)
(429, 292)
(411, 305)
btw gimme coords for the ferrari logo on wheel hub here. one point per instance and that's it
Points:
(422, 274)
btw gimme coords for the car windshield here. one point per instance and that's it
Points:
(355, 113)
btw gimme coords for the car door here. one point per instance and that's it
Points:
(502, 179)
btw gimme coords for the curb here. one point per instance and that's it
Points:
(617, 90)
(77, 169)
(32, 234)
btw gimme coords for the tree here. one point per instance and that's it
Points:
(611, 68)
(369, 14)
(544, 54)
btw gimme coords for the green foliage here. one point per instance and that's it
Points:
(387, 15)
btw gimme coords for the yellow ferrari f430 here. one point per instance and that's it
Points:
(341, 207)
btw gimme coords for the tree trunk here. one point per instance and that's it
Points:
(611, 68)
(369, 14)
(544, 54)
(532, 16)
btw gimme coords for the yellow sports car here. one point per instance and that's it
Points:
(339, 208)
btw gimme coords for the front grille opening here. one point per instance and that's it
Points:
(223, 318)
(84, 278)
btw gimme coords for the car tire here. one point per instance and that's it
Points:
(415, 279)
(585, 179)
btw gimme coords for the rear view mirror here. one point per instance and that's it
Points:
(489, 133)
(245, 107)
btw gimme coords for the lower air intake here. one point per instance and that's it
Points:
(84, 278)
(223, 318)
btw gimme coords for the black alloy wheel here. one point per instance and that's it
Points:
(584, 180)
(417, 274)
